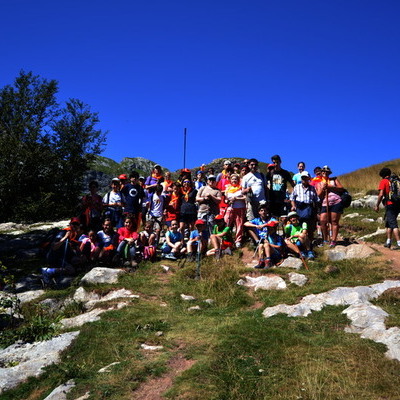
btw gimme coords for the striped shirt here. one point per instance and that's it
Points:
(304, 194)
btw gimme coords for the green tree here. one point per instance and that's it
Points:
(44, 149)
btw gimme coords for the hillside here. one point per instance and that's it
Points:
(366, 179)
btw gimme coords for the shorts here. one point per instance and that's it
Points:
(336, 208)
(225, 245)
(392, 212)
(188, 218)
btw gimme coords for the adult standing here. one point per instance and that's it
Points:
(329, 191)
(304, 201)
(209, 198)
(392, 208)
(133, 194)
(278, 178)
(188, 208)
(254, 186)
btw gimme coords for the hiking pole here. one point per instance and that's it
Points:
(302, 258)
(198, 260)
(255, 251)
(328, 215)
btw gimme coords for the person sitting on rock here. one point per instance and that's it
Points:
(221, 238)
(108, 242)
(173, 246)
(64, 254)
(271, 247)
(297, 237)
(128, 243)
(148, 242)
(198, 240)
(258, 225)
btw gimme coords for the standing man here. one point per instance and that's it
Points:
(304, 201)
(254, 186)
(134, 194)
(209, 198)
(278, 178)
(392, 208)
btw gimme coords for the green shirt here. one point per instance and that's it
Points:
(226, 231)
(291, 230)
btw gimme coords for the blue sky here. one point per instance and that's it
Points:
(312, 80)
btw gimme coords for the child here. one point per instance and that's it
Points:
(221, 238)
(128, 242)
(297, 237)
(108, 241)
(148, 240)
(198, 236)
(88, 246)
(113, 202)
(156, 210)
(259, 229)
(173, 245)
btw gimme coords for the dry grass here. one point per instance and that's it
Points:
(367, 179)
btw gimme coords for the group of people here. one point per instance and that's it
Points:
(209, 213)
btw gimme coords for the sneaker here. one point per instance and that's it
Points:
(324, 243)
(48, 276)
(303, 254)
(332, 244)
(218, 254)
(268, 264)
(387, 245)
(228, 251)
(170, 257)
(396, 247)
(260, 265)
(310, 255)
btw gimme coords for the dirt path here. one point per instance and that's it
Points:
(392, 255)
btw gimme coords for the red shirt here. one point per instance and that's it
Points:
(384, 185)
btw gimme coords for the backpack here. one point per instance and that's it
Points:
(394, 191)
(346, 199)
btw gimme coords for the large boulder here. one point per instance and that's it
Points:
(263, 282)
(348, 252)
(102, 275)
(21, 361)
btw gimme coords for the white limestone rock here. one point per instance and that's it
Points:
(60, 392)
(187, 298)
(352, 215)
(107, 368)
(30, 359)
(379, 231)
(102, 275)
(194, 308)
(297, 279)
(366, 220)
(145, 346)
(349, 252)
(265, 283)
(292, 262)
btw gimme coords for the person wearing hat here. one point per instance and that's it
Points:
(254, 187)
(199, 235)
(208, 198)
(123, 179)
(113, 202)
(221, 238)
(270, 249)
(64, 253)
(278, 179)
(296, 236)
(329, 191)
(226, 168)
(199, 182)
(304, 201)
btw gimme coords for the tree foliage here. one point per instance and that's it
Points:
(45, 149)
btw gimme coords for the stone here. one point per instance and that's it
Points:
(366, 220)
(357, 204)
(92, 298)
(292, 262)
(159, 333)
(209, 301)
(297, 279)
(379, 220)
(264, 283)
(145, 346)
(194, 308)
(165, 268)
(187, 298)
(90, 316)
(25, 297)
(348, 252)
(84, 397)
(108, 367)
(379, 231)
(102, 275)
(29, 359)
(60, 392)
(352, 215)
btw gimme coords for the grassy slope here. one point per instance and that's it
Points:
(367, 179)
(238, 354)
